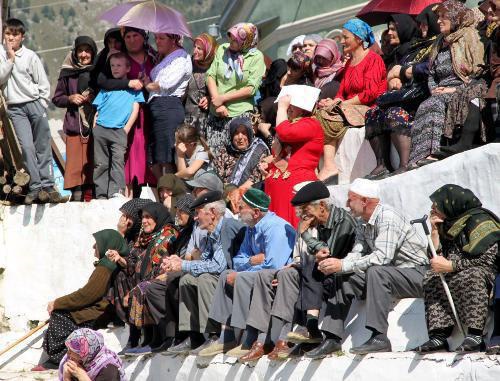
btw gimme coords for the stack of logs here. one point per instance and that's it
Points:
(14, 178)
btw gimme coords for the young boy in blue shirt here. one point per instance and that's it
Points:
(117, 111)
(26, 89)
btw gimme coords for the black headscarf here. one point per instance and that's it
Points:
(133, 209)
(271, 84)
(407, 30)
(467, 223)
(101, 62)
(160, 215)
(71, 66)
(429, 18)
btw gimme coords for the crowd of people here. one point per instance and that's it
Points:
(244, 242)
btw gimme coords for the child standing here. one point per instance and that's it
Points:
(117, 112)
(27, 92)
(192, 152)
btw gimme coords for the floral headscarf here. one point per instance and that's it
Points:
(209, 45)
(459, 15)
(89, 345)
(245, 35)
(329, 50)
(362, 30)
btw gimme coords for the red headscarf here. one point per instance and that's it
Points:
(209, 46)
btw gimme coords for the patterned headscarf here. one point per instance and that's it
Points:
(300, 60)
(474, 228)
(459, 15)
(95, 356)
(329, 50)
(362, 30)
(246, 36)
(209, 45)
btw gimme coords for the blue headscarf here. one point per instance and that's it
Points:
(362, 30)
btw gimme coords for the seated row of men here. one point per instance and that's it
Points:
(254, 278)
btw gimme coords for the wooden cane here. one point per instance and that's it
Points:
(24, 337)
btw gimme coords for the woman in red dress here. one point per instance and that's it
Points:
(301, 139)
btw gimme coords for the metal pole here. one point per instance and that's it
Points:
(423, 221)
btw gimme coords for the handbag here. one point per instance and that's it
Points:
(413, 93)
(348, 115)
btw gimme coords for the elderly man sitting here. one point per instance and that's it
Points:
(268, 244)
(197, 285)
(388, 261)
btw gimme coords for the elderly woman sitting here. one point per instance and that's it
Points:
(238, 163)
(467, 237)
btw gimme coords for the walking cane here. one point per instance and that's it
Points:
(423, 221)
(24, 337)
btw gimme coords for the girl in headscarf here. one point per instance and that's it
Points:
(364, 79)
(74, 93)
(238, 163)
(466, 237)
(393, 123)
(89, 358)
(233, 80)
(197, 99)
(87, 307)
(328, 62)
(455, 62)
(158, 237)
(113, 41)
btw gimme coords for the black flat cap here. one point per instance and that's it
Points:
(206, 198)
(314, 191)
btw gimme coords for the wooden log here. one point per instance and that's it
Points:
(7, 189)
(17, 190)
(34, 330)
(21, 178)
(3, 180)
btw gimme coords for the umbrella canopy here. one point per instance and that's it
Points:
(377, 11)
(148, 15)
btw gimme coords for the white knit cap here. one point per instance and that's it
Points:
(365, 188)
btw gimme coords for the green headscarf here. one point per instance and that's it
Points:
(474, 228)
(109, 239)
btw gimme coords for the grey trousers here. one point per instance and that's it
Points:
(195, 298)
(33, 132)
(379, 285)
(110, 145)
(267, 302)
(232, 304)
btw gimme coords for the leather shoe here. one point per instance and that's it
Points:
(256, 352)
(280, 347)
(326, 348)
(377, 343)
(433, 345)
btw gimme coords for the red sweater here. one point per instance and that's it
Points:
(367, 80)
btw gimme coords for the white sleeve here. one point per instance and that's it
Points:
(171, 75)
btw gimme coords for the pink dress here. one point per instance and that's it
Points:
(136, 163)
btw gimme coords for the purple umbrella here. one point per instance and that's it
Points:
(148, 15)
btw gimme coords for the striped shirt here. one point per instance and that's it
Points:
(387, 239)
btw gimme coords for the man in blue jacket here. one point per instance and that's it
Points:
(268, 244)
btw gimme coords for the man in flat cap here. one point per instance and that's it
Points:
(388, 261)
(268, 244)
(197, 285)
(334, 239)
